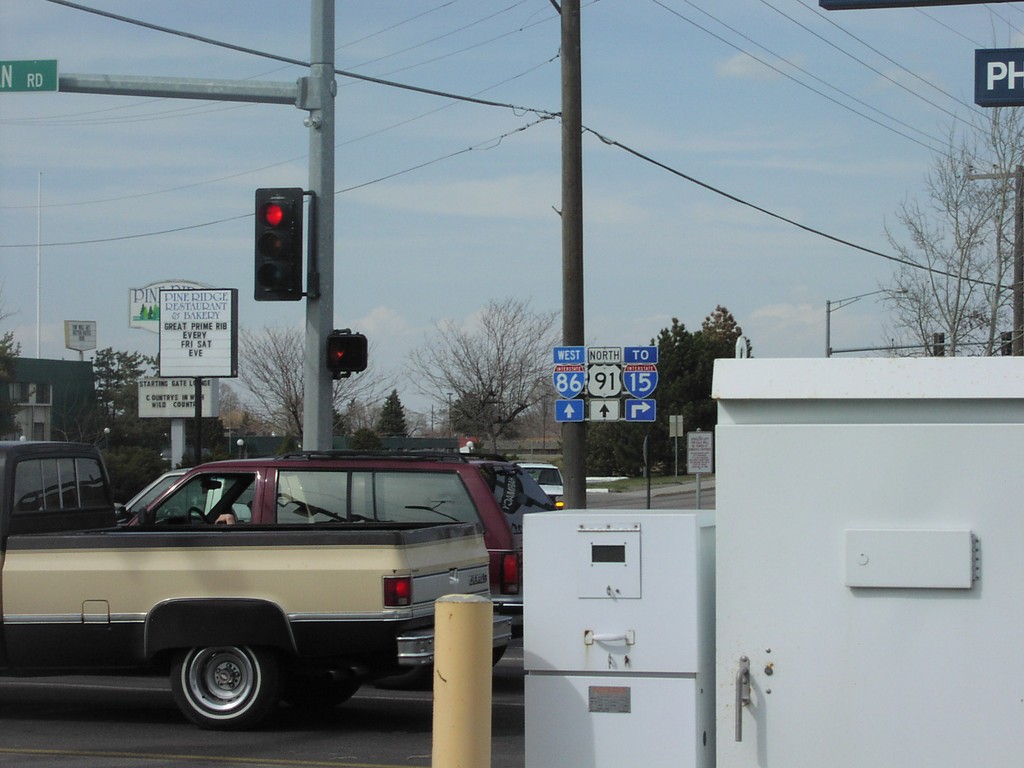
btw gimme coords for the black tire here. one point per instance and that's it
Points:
(226, 687)
(311, 692)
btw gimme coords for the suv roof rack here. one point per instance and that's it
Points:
(342, 453)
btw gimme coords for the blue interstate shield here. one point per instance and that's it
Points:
(640, 379)
(569, 379)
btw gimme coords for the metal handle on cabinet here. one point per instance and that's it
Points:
(742, 693)
(590, 637)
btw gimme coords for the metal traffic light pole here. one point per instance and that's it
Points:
(316, 95)
(317, 432)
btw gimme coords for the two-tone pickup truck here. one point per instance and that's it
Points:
(304, 608)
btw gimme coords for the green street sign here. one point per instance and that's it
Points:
(28, 75)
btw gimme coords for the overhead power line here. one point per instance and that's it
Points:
(542, 113)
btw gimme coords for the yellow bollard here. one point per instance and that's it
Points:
(462, 682)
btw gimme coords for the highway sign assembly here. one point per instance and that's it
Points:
(601, 375)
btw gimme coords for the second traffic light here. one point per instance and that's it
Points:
(346, 353)
(279, 257)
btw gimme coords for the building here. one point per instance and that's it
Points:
(52, 398)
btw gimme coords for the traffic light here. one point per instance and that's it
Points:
(346, 353)
(279, 261)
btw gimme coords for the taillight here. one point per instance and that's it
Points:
(511, 573)
(397, 591)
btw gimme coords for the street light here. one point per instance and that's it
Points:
(241, 444)
(832, 305)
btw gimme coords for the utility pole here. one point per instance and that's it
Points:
(1017, 342)
(574, 434)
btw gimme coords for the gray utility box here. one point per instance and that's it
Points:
(618, 639)
(870, 563)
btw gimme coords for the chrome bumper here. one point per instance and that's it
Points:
(416, 647)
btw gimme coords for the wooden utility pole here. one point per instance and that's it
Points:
(574, 434)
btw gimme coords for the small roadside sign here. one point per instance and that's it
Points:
(23, 76)
(700, 453)
(568, 410)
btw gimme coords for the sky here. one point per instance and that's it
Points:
(829, 119)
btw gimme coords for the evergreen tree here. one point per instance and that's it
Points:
(391, 422)
(9, 350)
(365, 440)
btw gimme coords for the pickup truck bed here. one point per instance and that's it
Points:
(120, 598)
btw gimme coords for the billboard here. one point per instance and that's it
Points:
(199, 332)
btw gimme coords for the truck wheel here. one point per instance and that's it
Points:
(317, 691)
(226, 687)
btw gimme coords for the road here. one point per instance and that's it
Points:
(682, 495)
(105, 722)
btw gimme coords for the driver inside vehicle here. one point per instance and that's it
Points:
(223, 499)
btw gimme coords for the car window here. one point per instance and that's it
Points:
(150, 492)
(373, 496)
(53, 484)
(515, 489)
(548, 476)
(205, 497)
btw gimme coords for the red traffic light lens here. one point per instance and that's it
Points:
(273, 214)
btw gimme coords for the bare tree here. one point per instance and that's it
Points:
(961, 238)
(271, 366)
(491, 370)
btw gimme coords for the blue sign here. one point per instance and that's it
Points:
(570, 355)
(568, 410)
(999, 77)
(640, 379)
(640, 355)
(569, 379)
(641, 410)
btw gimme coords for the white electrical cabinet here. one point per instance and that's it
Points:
(618, 639)
(870, 563)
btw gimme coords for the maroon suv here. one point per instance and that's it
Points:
(353, 487)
